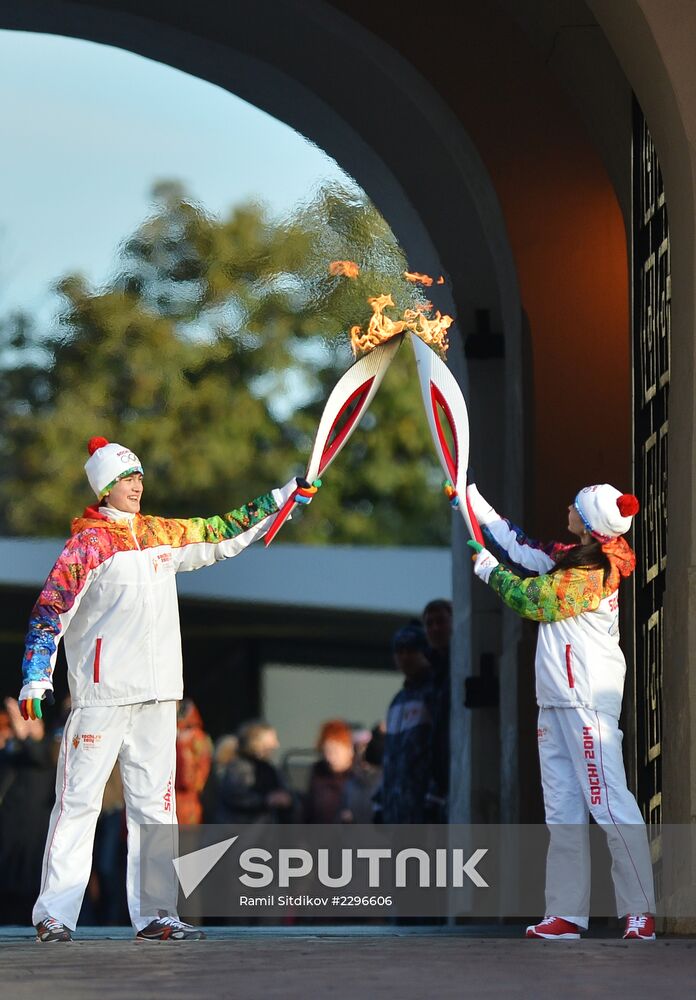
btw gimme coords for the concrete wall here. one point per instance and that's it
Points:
(479, 132)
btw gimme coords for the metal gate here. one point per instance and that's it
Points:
(651, 372)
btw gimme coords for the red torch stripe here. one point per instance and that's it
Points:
(436, 398)
(331, 449)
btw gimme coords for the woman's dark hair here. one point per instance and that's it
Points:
(590, 556)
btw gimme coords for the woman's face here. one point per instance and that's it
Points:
(575, 525)
(337, 754)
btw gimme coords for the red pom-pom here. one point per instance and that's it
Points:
(628, 505)
(95, 443)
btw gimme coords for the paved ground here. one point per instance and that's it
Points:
(345, 964)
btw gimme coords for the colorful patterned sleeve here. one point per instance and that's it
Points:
(551, 597)
(55, 607)
(520, 549)
(202, 541)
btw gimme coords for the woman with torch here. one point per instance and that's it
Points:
(580, 669)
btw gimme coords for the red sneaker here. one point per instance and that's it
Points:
(639, 927)
(554, 928)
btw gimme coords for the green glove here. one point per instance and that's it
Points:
(476, 546)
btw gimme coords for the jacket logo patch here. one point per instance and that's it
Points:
(161, 560)
(89, 740)
(541, 733)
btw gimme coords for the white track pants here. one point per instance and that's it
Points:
(143, 740)
(582, 772)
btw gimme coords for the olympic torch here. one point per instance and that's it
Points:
(343, 411)
(445, 407)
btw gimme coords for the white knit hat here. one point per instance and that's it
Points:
(107, 463)
(605, 512)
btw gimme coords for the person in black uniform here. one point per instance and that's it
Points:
(401, 797)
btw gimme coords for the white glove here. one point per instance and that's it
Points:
(283, 493)
(32, 692)
(484, 563)
(483, 512)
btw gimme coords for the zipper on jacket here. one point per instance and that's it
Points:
(135, 539)
(569, 665)
(149, 608)
(97, 658)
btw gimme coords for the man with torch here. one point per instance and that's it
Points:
(111, 597)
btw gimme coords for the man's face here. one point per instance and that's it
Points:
(266, 744)
(412, 662)
(438, 629)
(125, 495)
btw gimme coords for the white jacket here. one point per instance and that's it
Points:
(579, 661)
(112, 598)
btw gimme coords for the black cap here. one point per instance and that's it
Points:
(410, 637)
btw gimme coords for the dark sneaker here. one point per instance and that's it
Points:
(50, 930)
(166, 928)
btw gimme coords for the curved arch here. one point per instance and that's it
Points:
(409, 153)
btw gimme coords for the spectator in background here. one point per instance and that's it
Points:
(326, 797)
(27, 778)
(374, 751)
(224, 752)
(250, 789)
(226, 749)
(358, 806)
(194, 752)
(401, 797)
(437, 621)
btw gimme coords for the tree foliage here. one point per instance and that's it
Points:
(211, 353)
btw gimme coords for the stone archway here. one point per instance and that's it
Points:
(442, 206)
(391, 105)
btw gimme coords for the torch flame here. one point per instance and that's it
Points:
(345, 268)
(381, 327)
(420, 279)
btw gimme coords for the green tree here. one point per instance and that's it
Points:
(211, 354)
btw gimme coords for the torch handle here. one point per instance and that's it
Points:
(471, 522)
(280, 519)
